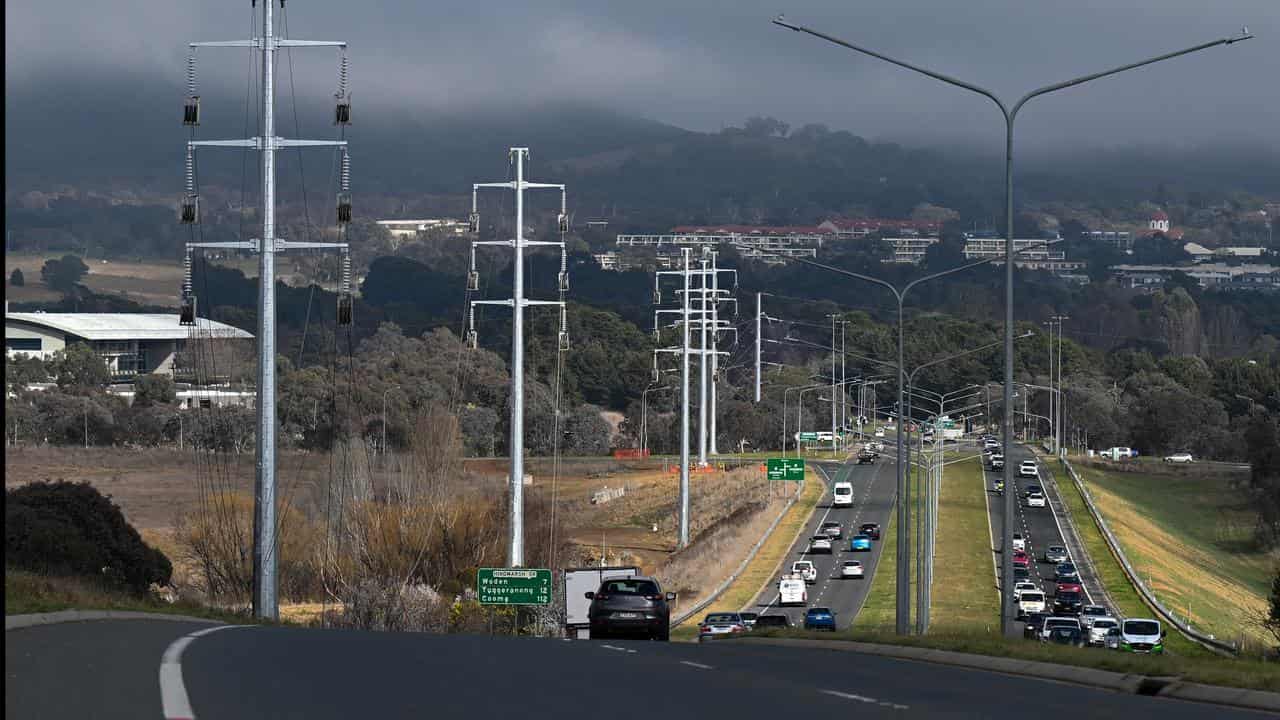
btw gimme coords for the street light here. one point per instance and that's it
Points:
(1006, 574)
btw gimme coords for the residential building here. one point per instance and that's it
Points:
(131, 343)
(908, 249)
(402, 230)
(1030, 253)
(857, 228)
(767, 244)
(1198, 252)
(1121, 240)
(1215, 275)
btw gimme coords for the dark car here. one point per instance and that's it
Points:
(1066, 636)
(1021, 573)
(1066, 571)
(630, 606)
(871, 530)
(772, 622)
(1034, 624)
(820, 618)
(1067, 603)
(749, 619)
(866, 456)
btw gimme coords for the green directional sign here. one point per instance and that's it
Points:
(808, 437)
(513, 586)
(784, 468)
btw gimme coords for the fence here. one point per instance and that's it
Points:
(1147, 595)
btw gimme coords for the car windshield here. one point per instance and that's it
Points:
(749, 615)
(1141, 627)
(819, 611)
(852, 563)
(1060, 622)
(844, 491)
(1057, 549)
(629, 587)
(1032, 596)
(861, 537)
(1094, 610)
(1069, 597)
(831, 525)
(721, 618)
(802, 565)
(1104, 624)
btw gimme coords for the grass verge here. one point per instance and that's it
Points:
(26, 592)
(764, 565)
(1206, 668)
(964, 593)
(879, 609)
(1189, 532)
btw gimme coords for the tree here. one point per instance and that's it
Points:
(1272, 621)
(63, 274)
(16, 278)
(79, 367)
(153, 389)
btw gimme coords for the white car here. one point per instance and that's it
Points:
(1024, 586)
(1019, 542)
(819, 544)
(805, 570)
(1028, 469)
(1058, 621)
(851, 569)
(1179, 458)
(1089, 613)
(842, 495)
(1031, 601)
(879, 432)
(1036, 501)
(1099, 627)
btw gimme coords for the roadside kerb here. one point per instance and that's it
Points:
(17, 622)
(1147, 595)
(1130, 683)
(715, 594)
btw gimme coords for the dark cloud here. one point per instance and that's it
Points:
(706, 64)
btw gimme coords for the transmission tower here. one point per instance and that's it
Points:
(517, 303)
(265, 544)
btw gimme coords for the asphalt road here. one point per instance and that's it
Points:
(874, 486)
(111, 669)
(1041, 526)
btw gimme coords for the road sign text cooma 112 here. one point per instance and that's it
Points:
(784, 469)
(513, 586)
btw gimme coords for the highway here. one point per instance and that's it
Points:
(874, 487)
(149, 668)
(1042, 527)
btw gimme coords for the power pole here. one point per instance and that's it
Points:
(517, 303)
(844, 391)
(1062, 415)
(759, 295)
(702, 365)
(1052, 417)
(835, 407)
(265, 601)
(716, 329)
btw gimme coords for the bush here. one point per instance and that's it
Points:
(63, 528)
(16, 278)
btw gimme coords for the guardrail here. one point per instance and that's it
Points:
(755, 549)
(1147, 595)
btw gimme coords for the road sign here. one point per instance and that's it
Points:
(513, 586)
(808, 436)
(784, 468)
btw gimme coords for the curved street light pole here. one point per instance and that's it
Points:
(1010, 114)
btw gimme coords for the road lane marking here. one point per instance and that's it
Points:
(173, 692)
(619, 649)
(700, 666)
(864, 699)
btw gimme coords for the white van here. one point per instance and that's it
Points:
(1142, 635)
(792, 591)
(842, 495)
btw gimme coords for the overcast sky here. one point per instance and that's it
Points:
(702, 65)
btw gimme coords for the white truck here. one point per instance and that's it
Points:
(805, 570)
(578, 582)
(792, 591)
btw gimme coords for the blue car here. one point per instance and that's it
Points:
(820, 618)
(860, 543)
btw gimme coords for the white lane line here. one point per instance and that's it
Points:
(865, 699)
(173, 692)
(700, 666)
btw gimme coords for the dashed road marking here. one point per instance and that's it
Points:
(700, 666)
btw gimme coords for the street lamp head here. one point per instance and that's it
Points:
(781, 21)
(1244, 34)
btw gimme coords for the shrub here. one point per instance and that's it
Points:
(16, 278)
(64, 528)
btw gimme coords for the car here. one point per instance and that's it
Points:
(805, 570)
(1021, 559)
(860, 543)
(832, 530)
(1089, 613)
(1021, 573)
(1067, 636)
(842, 494)
(1099, 629)
(875, 446)
(721, 625)
(1018, 587)
(1056, 554)
(1179, 458)
(998, 487)
(630, 606)
(1030, 601)
(1036, 501)
(1142, 635)
(1032, 490)
(997, 462)
(793, 590)
(1066, 571)
(1112, 640)
(851, 569)
(1033, 623)
(772, 622)
(1069, 586)
(1067, 603)
(1028, 469)
(1057, 621)
(865, 457)
(879, 432)
(1019, 542)
(871, 530)
(749, 619)
(819, 618)
(819, 544)
(990, 444)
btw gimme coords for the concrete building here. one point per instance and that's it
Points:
(130, 343)
(1214, 275)
(984, 246)
(908, 249)
(1121, 240)
(402, 230)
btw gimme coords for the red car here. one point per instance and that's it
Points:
(1021, 559)
(1070, 587)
